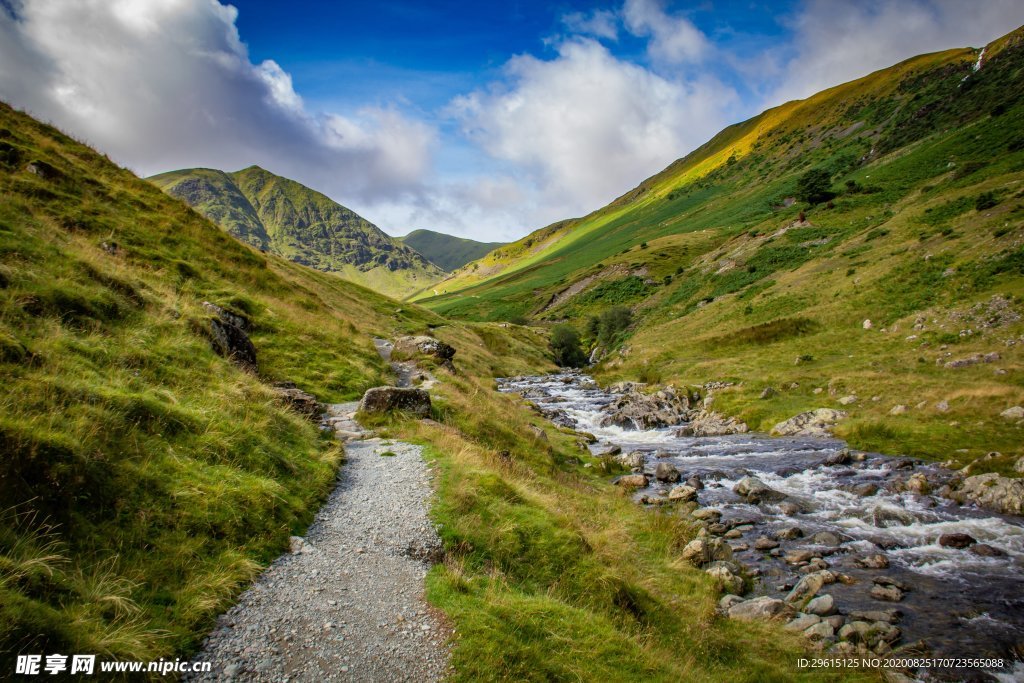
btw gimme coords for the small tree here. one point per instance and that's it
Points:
(612, 323)
(815, 186)
(565, 344)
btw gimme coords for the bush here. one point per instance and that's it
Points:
(565, 345)
(985, 200)
(815, 186)
(611, 324)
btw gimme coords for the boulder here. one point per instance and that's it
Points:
(422, 345)
(820, 631)
(710, 423)
(633, 409)
(756, 491)
(985, 550)
(918, 483)
(726, 576)
(959, 541)
(826, 538)
(887, 593)
(808, 587)
(765, 544)
(666, 472)
(789, 533)
(388, 399)
(840, 457)
(761, 609)
(992, 491)
(898, 409)
(822, 606)
(632, 460)
(707, 514)
(803, 622)
(864, 490)
(683, 494)
(226, 332)
(298, 400)
(848, 400)
(812, 423)
(876, 561)
(632, 481)
(728, 601)
(1014, 413)
(855, 631)
(702, 551)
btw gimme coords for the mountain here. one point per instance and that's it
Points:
(446, 251)
(872, 231)
(283, 217)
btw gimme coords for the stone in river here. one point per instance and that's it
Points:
(765, 543)
(959, 541)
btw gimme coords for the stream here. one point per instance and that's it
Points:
(959, 602)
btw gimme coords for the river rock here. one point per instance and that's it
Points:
(727, 576)
(666, 472)
(702, 551)
(762, 608)
(865, 490)
(992, 491)
(728, 601)
(826, 538)
(789, 533)
(633, 409)
(765, 543)
(707, 514)
(887, 593)
(803, 622)
(876, 561)
(959, 541)
(918, 483)
(807, 587)
(799, 556)
(756, 491)
(611, 451)
(889, 616)
(985, 550)
(386, 399)
(822, 606)
(683, 493)
(840, 457)
(820, 631)
(789, 508)
(855, 631)
(632, 460)
(632, 481)
(705, 423)
(812, 423)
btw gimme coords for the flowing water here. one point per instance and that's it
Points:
(960, 603)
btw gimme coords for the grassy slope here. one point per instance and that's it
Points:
(305, 226)
(446, 251)
(713, 250)
(145, 479)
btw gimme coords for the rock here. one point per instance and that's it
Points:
(826, 538)
(298, 545)
(763, 608)
(876, 561)
(867, 324)
(1019, 465)
(387, 399)
(898, 409)
(409, 347)
(889, 616)
(756, 491)
(789, 533)
(765, 543)
(812, 423)
(1014, 413)
(887, 593)
(891, 581)
(633, 409)
(985, 550)
(696, 482)
(840, 457)
(702, 551)
(789, 508)
(799, 556)
(822, 606)
(803, 622)
(959, 541)
(807, 587)
(666, 472)
(864, 490)
(43, 170)
(683, 493)
(226, 332)
(767, 393)
(820, 631)
(918, 483)
(632, 481)
(632, 460)
(734, 533)
(612, 450)
(705, 423)
(728, 601)
(942, 406)
(298, 400)
(992, 491)
(707, 514)
(726, 576)
(848, 400)
(855, 631)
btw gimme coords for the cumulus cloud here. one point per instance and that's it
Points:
(835, 42)
(165, 84)
(673, 39)
(600, 23)
(586, 125)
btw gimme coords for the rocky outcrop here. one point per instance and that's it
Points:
(422, 345)
(992, 491)
(633, 409)
(388, 399)
(298, 400)
(812, 423)
(226, 331)
(709, 423)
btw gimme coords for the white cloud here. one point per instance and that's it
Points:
(673, 39)
(586, 126)
(600, 23)
(835, 42)
(166, 84)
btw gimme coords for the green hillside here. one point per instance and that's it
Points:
(145, 480)
(737, 259)
(286, 218)
(446, 251)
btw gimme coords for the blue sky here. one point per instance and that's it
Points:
(485, 120)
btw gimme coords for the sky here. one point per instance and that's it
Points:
(480, 119)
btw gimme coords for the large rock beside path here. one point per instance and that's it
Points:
(387, 399)
(422, 345)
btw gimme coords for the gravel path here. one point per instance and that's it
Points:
(347, 604)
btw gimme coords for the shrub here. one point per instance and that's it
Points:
(815, 186)
(565, 345)
(985, 200)
(612, 323)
